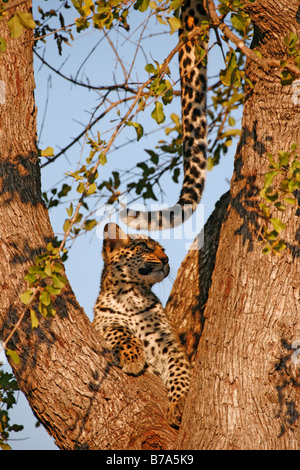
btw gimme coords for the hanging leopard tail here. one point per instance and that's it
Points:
(193, 79)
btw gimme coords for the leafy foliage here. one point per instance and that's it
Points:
(46, 278)
(293, 54)
(61, 35)
(281, 184)
(16, 24)
(8, 388)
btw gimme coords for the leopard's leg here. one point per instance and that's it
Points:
(127, 349)
(178, 381)
(165, 354)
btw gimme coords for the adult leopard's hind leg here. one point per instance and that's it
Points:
(178, 381)
(126, 349)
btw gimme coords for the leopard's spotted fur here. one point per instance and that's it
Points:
(194, 128)
(132, 320)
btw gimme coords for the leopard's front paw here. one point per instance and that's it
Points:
(135, 367)
(131, 357)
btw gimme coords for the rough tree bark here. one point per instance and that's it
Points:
(246, 383)
(66, 375)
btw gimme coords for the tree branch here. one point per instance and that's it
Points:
(262, 63)
(14, 4)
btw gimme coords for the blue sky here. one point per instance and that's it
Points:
(62, 111)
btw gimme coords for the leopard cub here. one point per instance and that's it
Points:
(132, 320)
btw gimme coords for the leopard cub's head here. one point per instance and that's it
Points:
(133, 258)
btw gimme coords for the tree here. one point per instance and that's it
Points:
(244, 304)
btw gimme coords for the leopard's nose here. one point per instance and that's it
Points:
(161, 255)
(164, 260)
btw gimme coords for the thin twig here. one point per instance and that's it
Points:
(116, 54)
(49, 34)
(4, 343)
(90, 125)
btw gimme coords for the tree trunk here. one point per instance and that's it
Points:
(66, 375)
(187, 301)
(245, 379)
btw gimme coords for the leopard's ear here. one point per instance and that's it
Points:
(113, 237)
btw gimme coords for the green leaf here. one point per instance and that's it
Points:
(265, 209)
(31, 278)
(70, 210)
(284, 159)
(174, 23)
(2, 45)
(26, 297)
(38, 271)
(57, 267)
(150, 69)
(102, 159)
(238, 22)
(210, 164)
(80, 188)
(154, 157)
(59, 281)
(34, 319)
(47, 268)
(160, 19)
(138, 127)
(175, 4)
(117, 181)
(153, 5)
(291, 41)
(16, 427)
(293, 185)
(269, 178)
(167, 93)
(229, 75)
(279, 246)
(271, 236)
(49, 247)
(281, 207)
(66, 225)
(149, 194)
(277, 224)
(290, 200)
(92, 189)
(26, 20)
(15, 26)
(90, 224)
(287, 78)
(176, 174)
(266, 249)
(47, 310)
(64, 190)
(53, 290)
(231, 121)
(231, 132)
(294, 147)
(141, 5)
(158, 113)
(139, 130)
(86, 7)
(45, 298)
(268, 196)
(14, 355)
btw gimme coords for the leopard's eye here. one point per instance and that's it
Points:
(144, 245)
